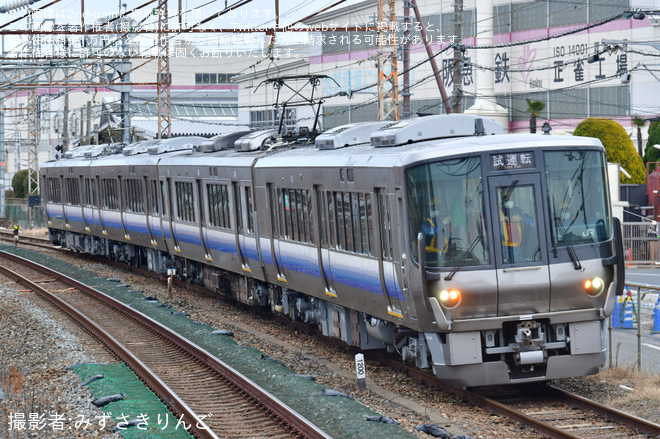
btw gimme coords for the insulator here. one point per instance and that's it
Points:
(15, 5)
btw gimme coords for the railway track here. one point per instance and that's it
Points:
(189, 379)
(547, 410)
(8, 236)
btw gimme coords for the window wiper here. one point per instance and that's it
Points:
(569, 246)
(510, 189)
(465, 254)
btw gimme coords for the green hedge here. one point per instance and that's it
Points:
(618, 144)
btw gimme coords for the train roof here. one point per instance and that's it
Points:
(369, 156)
(350, 156)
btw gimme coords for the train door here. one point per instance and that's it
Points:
(386, 267)
(170, 208)
(65, 201)
(521, 255)
(91, 203)
(151, 209)
(87, 213)
(103, 198)
(275, 234)
(240, 226)
(202, 221)
(163, 221)
(322, 243)
(123, 201)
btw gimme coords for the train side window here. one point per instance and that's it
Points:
(139, 195)
(154, 199)
(250, 211)
(185, 201)
(309, 216)
(272, 204)
(87, 192)
(54, 194)
(293, 215)
(238, 209)
(283, 205)
(133, 195)
(109, 194)
(367, 224)
(218, 203)
(332, 219)
(357, 227)
(348, 223)
(72, 191)
(364, 225)
(385, 225)
(163, 198)
(341, 229)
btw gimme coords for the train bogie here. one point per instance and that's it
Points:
(488, 259)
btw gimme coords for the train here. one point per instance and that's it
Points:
(486, 258)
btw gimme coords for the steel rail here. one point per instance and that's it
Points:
(199, 428)
(267, 400)
(646, 427)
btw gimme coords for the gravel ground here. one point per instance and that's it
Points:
(41, 399)
(391, 393)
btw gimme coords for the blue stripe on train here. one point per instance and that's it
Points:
(347, 273)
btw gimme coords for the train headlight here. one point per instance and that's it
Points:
(594, 287)
(450, 298)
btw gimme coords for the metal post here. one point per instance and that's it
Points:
(639, 329)
(457, 72)
(431, 55)
(609, 335)
(2, 163)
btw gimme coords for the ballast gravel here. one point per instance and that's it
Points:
(40, 347)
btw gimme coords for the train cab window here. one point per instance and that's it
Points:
(577, 192)
(445, 205)
(185, 201)
(517, 211)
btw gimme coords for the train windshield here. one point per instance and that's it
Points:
(445, 204)
(577, 193)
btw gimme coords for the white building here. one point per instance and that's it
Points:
(576, 57)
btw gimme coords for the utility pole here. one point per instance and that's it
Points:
(125, 123)
(457, 72)
(388, 82)
(3, 159)
(33, 138)
(164, 100)
(407, 112)
(65, 124)
(429, 52)
(88, 137)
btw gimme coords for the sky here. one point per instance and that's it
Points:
(254, 14)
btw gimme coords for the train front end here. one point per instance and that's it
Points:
(516, 251)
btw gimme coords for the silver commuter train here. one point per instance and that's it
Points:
(491, 259)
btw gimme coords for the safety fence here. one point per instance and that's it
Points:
(641, 242)
(27, 217)
(638, 311)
